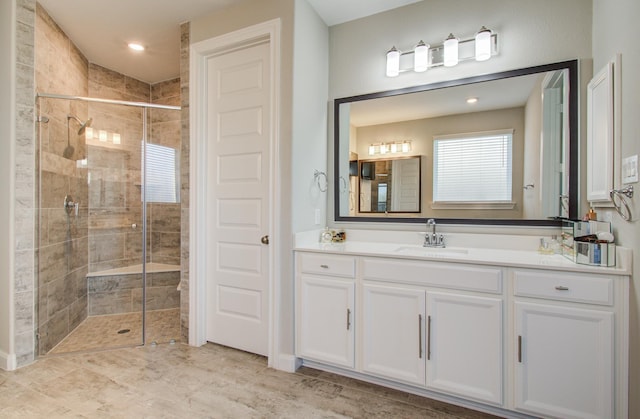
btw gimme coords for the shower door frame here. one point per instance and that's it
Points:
(145, 107)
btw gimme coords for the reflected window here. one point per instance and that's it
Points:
(472, 168)
(162, 168)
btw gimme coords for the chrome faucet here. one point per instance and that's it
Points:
(432, 239)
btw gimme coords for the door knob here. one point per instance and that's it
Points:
(265, 239)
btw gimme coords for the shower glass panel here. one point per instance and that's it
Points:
(101, 282)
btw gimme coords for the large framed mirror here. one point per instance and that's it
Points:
(496, 149)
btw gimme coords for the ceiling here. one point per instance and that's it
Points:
(102, 29)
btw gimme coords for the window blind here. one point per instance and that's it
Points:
(161, 168)
(472, 168)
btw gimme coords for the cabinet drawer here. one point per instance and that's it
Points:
(317, 263)
(438, 274)
(583, 288)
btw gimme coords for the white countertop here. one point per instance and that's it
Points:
(522, 258)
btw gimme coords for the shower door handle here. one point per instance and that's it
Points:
(265, 239)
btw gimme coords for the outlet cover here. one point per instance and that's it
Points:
(630, 169)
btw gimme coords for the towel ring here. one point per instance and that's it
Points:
(343, 184)
(622, 195)
(316, 177)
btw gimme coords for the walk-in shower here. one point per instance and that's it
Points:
(108, 223)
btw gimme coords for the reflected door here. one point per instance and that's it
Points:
(238, 118)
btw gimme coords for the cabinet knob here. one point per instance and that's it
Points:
(324, 266)
(561, 288)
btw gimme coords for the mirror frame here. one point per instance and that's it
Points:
(571, 66)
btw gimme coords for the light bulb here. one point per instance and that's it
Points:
(450, 51)
(406, 147)
(421, 57)
(372, 150)
(483, 44)
(394, 147)
(383, 149)
(393, 62)
(116, 138)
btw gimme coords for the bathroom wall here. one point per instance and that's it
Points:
(616, 30)
(62, 238)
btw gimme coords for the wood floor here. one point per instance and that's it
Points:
(179, 381)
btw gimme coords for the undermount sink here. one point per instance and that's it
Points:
(431, 251)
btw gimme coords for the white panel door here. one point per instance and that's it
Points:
(464, 345)
(405, 185)
(393, 326)
(325, 319)
(238, 158)
(562, 348)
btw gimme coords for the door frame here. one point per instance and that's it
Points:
(268, 31)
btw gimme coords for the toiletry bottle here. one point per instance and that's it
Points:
(592, 215)
(555, 245)
(326, 236)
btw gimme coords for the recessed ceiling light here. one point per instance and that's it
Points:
(472, 100)
(136, 47)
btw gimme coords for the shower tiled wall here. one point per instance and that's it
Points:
(63, 237)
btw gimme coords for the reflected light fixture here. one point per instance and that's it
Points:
(483, 44)
(393, 62)
(472, 100)
(115, 138)
(136, 47)
(421, 57)
(450, 51)
(390, 148)
(102, 135)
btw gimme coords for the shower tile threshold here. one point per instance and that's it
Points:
(119, 330)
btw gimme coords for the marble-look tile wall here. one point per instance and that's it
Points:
(62, 236)
(164, 218)
(185, 31)
(24, 185)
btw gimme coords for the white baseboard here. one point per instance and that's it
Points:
(288, 363)
(8, 361)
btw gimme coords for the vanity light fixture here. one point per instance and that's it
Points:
(421, 57)
(393, 62)
(452, 51)
(483, 44)
(101, 137)
(390, 148)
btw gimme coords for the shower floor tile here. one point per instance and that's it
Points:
(100, 332)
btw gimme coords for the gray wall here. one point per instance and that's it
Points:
(616, 30)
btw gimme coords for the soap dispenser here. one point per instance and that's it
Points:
(326, 236)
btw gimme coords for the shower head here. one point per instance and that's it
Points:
(83, 124)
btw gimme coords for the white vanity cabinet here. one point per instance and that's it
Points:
(393, 331)
(325, 308)
(437, 325)
(564, 337)
(511, 336)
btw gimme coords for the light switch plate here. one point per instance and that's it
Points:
(630, 169)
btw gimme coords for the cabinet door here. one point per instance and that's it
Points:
(564, 361)
(393, 326)
(464, 346)
(325, 320)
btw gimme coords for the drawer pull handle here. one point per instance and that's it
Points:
(520, 349)
(561, 288)
(324, 266)
(428, 337)
(348, 319)
(420, 336)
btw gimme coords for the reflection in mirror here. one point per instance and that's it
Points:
(389, 185)
(495, 149)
